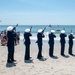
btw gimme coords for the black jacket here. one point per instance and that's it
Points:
(71, 37)
(27, 38)
(62, 38)
(10, 38)
(39, 38)
(51, 38)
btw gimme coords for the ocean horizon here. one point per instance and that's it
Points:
(21, 28)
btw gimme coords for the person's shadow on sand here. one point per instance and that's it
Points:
(28, 61)
(9, 65)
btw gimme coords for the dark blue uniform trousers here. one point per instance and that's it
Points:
(62, 48)
(51, 49)
(70, 48)
(10, 53)
(27, 52)
(40, 51)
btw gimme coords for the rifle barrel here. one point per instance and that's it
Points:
(30, 28)
(43, 29)
(15, 27)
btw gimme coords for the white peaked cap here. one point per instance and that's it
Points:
(62, 31)
(9, 28)
(52, 31)
(72, 33)
(27, 30)
(40, 30)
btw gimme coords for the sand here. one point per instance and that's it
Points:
(52, 66)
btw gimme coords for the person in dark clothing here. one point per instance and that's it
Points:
(71, 37)
(51, 43)
(62, 41)
(10, 44)
(17, 37)
(27, 43)
(40, 35)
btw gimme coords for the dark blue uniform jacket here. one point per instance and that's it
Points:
(10, 38)
(71, 37)
(39, 38)
(62, 38)
(51, 38)
(27, 38)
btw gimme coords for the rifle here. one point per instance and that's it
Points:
(63, 28)
(43, 30)
(15, 27)
(71, 30)
(30, 28)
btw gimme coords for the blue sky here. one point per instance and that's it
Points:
(45, 12)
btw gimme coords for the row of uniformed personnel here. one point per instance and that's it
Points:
(40, 35)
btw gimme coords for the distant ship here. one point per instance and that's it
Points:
(57, 30)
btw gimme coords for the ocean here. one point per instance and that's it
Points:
(35, 28)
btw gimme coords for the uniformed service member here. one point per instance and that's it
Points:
(39, 42)
(71, 37)
(10, 44)
(27, 43)
(62, 41)
(51, 43)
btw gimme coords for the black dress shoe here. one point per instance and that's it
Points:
(38, 58)
(13, 60)
(62, 54)
(9, 62)
(70, 53)
(51, 55)
(27, 58)
(30, 58)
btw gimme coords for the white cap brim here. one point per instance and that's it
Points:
(27, 30)
(9, 28)
(40, 30)
(62, 31)
(53, 31)
(72, 33)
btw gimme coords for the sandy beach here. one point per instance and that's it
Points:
(52, 66)
(32, 20)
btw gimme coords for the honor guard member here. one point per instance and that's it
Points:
(71, 37)
(27, 43)
(62, 41)
(40, 35)
(51, 43)
(10, 44)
